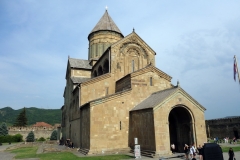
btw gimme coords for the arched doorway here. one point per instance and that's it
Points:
(180, 127)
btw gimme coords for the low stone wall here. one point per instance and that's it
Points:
(38, 131)
(224, 127)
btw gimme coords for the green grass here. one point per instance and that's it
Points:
(25, 152)
(30, 152)
(109, 157)
(226, 149)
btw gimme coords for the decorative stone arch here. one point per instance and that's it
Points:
(100, 70)
(181, 127)
(105, 66)
(131, 45)
(133, 57)
(95, 73)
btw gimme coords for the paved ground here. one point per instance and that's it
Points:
(225, 155)
(4, 155)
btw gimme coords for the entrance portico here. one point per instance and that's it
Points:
(166, 117)
(180, 127)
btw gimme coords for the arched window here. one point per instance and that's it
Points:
(133, 67)
(151, 82)
(100, 70)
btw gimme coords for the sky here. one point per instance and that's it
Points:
(195, 42)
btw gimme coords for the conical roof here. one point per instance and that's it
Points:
(106, 23)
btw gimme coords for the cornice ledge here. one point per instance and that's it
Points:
(152, 69)
(96, 79)
(110, 97)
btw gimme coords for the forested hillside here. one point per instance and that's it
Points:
(34, 115)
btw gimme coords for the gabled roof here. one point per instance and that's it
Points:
(152, 68)
(154, 99)
(106, 23)
(79, 63)
(158, 97)
(79, 79)
(148, 68)
(133, 34)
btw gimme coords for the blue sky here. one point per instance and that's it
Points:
(195, 42)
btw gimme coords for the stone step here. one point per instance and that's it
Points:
(83, 151)
(146, 153)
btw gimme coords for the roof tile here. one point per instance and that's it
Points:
(41, 124)
(106, 23)
(79, 79)
(79, 63)
(154, 99)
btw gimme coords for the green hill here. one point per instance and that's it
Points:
(51, 116)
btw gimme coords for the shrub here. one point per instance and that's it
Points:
(41, 139)
(11, 138)
(54, 135)
(17, 138)
(30, 137)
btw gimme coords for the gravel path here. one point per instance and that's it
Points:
(6, 155)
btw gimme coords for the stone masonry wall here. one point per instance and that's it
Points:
(224, 127)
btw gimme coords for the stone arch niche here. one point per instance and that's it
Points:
(106, 66)
(132, 57)
(180, 127)
(133, 60)
(100, 71)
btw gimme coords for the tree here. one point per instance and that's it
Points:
(30, 137)
(21, 120)
(3, 130)
(54, 135)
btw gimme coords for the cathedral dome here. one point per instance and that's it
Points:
(103, 35)
(106, 24)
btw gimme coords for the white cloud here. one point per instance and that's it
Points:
(194, 42)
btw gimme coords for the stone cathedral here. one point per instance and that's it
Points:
(118, 94)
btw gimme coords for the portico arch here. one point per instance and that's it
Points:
(95, 73)
(106, 66)
(100, 71)
(180, 127)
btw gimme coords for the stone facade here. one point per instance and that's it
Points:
(120, 95)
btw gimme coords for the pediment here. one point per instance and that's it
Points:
(179, 92)
(158, 99)
(133, 40)
(151, 68)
